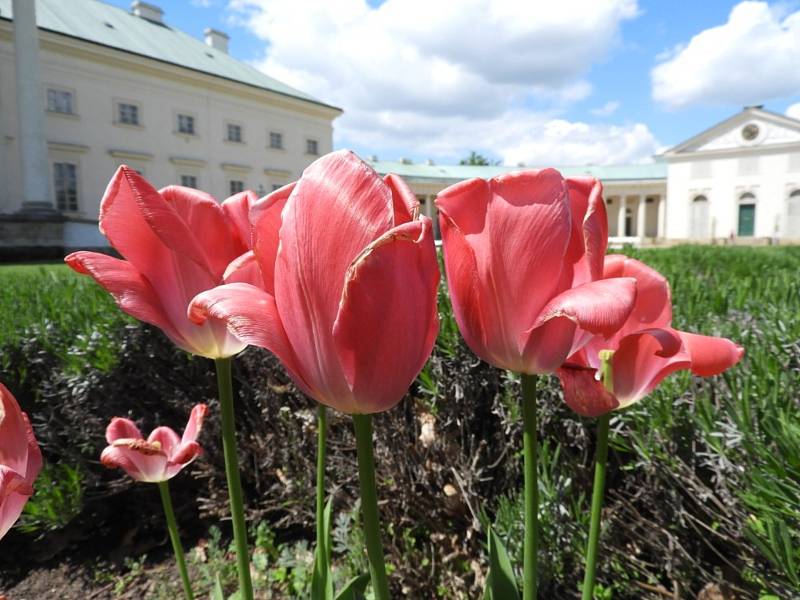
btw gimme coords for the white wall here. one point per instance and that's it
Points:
(723, 184)
(88, 137)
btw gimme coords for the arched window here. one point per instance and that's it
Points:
(747, 215)
(793, 215)
(699, 216)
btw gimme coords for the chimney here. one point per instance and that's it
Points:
(216, 39)
(147, 11)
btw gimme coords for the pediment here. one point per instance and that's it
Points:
(750, 129)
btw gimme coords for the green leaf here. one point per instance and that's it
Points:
(355, 588)
(217, 593)
(322, 579)
(500, 582)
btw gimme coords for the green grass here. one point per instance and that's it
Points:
(68, 314)
(738, 434)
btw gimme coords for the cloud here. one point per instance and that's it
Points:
(514, 137)
(753, 57)
(411, 71)
(609, 108)
(794, 111)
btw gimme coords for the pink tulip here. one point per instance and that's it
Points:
(20, 460)
(159, 457)
(347, 299)
(176, 242)
(646, 348)
(523, 254)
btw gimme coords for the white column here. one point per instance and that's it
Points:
(621, 217)
(662, 217)
(641, 217)
(429, 212)
(30, 113)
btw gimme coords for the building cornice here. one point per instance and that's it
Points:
(63, 44)
(733, 152)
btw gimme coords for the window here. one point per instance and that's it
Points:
(186, 124)
(276, 186)
(65, 185)
(236, 186)
(699, 226)
(189, 181)
(275, 140)
(59, 101)
(128, 114)
(234, 133)
(312, 147)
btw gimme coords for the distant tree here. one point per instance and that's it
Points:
(475, 159)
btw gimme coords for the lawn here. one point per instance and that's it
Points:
(704, 479)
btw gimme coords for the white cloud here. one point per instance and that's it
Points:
(515, 137)
(753, 57)
(609, 108)
(418, 75)
(794, 111)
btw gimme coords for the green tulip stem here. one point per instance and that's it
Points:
(225, 384)
(172, 526)
(529, 448)
(322, 426)
(598, 489)
(369, 506)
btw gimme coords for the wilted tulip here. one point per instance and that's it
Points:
(20, 460)
(159, 457)
(523, 253)
(176, 242)
(643, 351)
(348, 295)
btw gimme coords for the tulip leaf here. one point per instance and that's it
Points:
(500, 581)
(355, 588)
(217, 593)
(322, 580)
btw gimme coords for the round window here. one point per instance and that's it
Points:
(750, 132)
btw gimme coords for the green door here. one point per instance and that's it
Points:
(747, 219)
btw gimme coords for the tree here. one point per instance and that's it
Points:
(476, 159)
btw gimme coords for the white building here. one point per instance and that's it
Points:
(738, 180)
(85, 87)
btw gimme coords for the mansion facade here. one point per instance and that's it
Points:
(738, 181)
(86, 87)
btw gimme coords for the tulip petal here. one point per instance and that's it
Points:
(237, 210)
(121, 428)
(518, 226)
(14, 441)
(14, 493)
(387, 323)
(166, 438)
(653, 306)
(404, 202)
(244, 269)
(265, 215)
(195, 424)
(590, 228)
(142, 226)
(132, 291)
(643, 359)
(197, 227)
(583, 392)
(185, 453)
(339, 206)
(599, 307)
(34, 453)
(251, 315)
(140, 459)
(710, 355)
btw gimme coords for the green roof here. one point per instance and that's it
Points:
(423, 171)
(114, 27)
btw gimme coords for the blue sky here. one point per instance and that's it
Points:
(568, 82)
